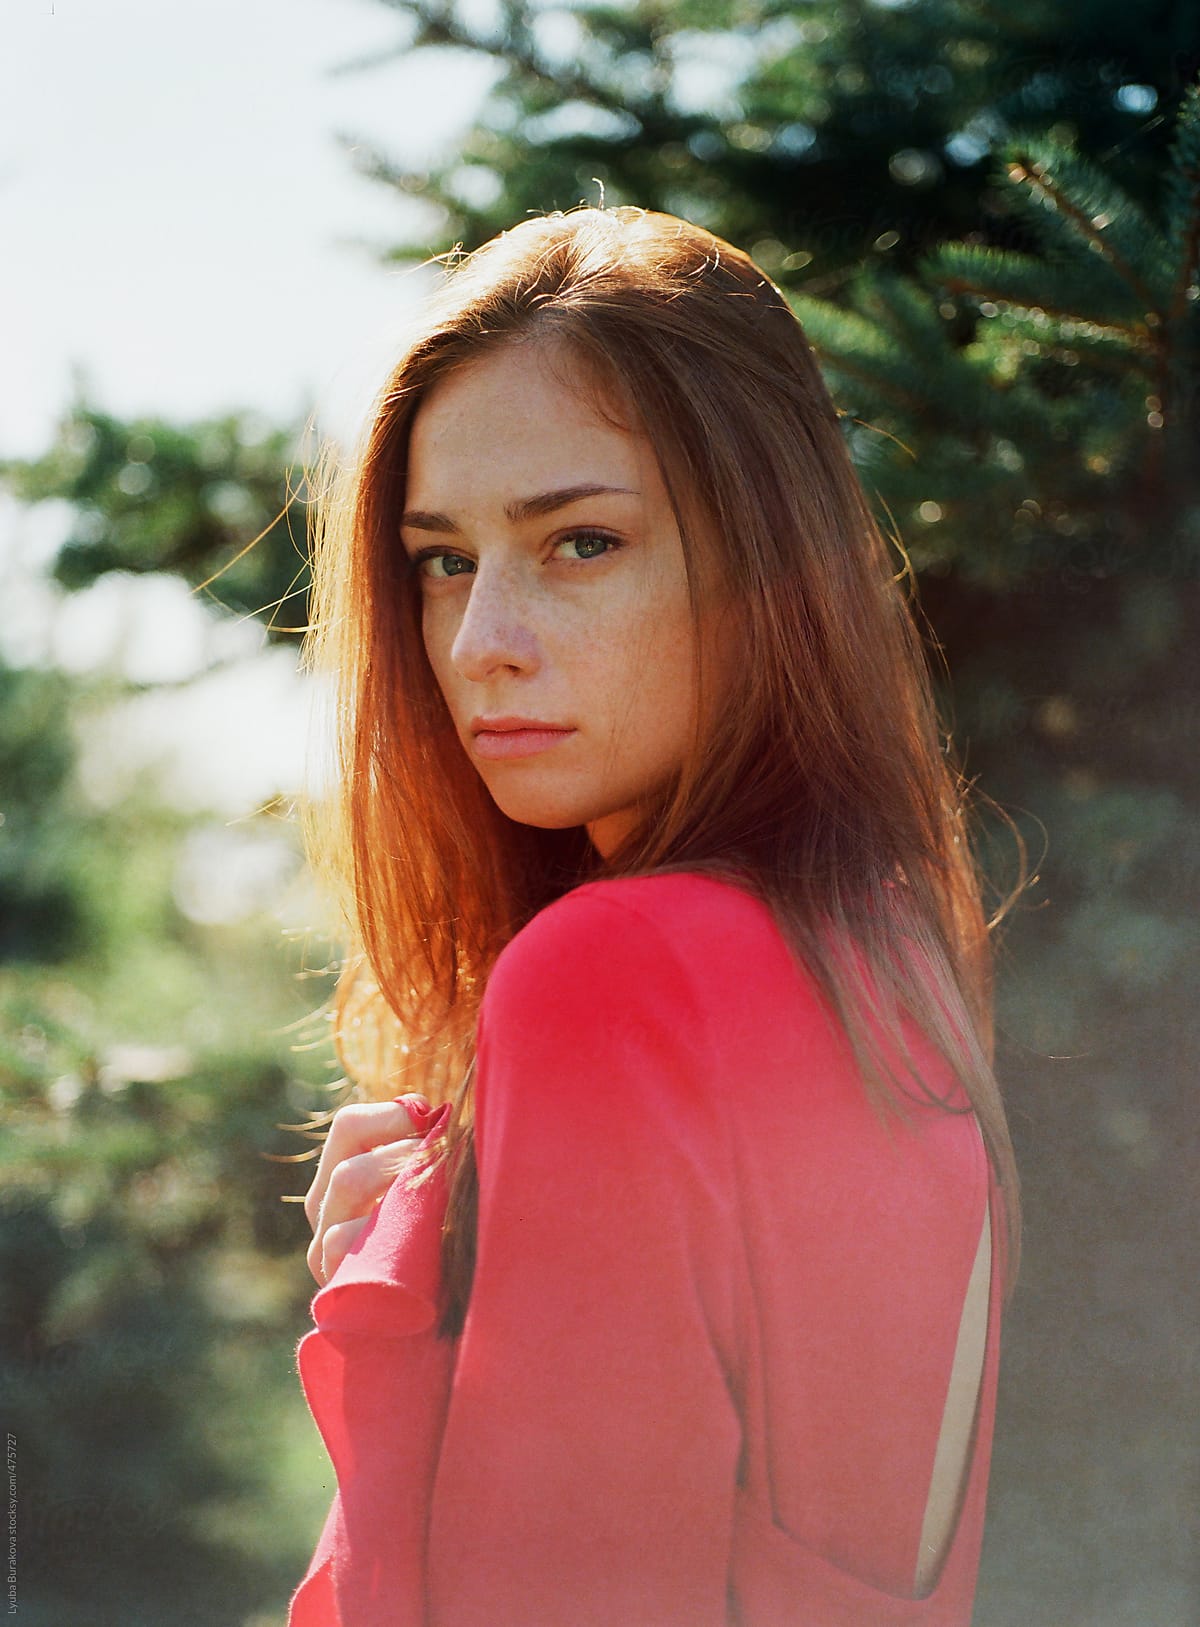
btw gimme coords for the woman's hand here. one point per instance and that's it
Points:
(366, 1145)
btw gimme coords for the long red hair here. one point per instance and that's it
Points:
(822, 783)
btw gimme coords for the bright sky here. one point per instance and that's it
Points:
(177, 216)
(178, 219)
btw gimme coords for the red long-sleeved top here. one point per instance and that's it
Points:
(714, 1314)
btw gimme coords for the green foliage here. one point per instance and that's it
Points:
(1067, 373)
(148, 1288)
(214, 503)
(41, 912)
(819, 136)
(152, 1284)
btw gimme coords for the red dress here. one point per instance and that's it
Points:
(714, 1315)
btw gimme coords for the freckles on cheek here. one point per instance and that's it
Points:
(434, 635)
(440, 668)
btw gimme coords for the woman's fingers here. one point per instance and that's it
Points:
(358, 1183)
(356, 1128)
(330, 1247)
(354, 1188)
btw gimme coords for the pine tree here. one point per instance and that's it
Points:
(1040, 407)
(819, 136)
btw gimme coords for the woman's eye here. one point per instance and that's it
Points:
(588, 544)
(438, 566)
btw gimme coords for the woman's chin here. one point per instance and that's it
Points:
(605, 826)
(542, 812)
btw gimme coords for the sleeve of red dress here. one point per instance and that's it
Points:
(376, 1379)
(590, 1453)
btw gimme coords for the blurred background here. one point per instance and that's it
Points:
(988, 218)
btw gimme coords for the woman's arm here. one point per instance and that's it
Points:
(590, 1455)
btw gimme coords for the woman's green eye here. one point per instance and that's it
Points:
(588, 544)
(452, 565)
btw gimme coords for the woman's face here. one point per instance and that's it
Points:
(553, 592)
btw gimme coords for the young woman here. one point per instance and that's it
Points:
(661, 1286)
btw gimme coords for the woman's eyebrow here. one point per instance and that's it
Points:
(522, 508)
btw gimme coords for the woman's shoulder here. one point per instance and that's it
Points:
(603, 1015)
(687, 914)
(684, 936)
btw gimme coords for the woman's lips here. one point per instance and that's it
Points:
(517, 742)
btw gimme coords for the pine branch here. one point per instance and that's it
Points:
(1024, 168)
(1184, 188)
(855, 346)
(1010, 278)
(886, 389)
(959, 286)
(1189, 257)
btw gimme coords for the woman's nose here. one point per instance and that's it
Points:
(495, 630)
